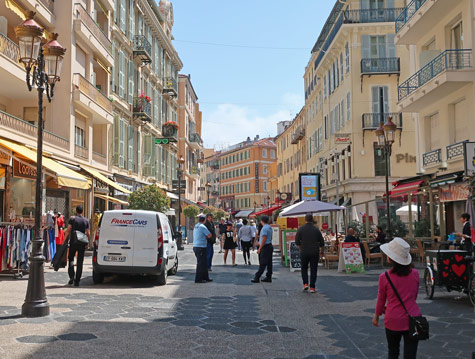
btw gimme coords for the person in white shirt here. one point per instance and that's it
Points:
(245, 236)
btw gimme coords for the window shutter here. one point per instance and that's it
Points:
(153, 162)
(390, 47)
(122, 143)
(337, 73)
(155, 107)
(147, 155)
(115, 157)
(121, 73)
(131, 19)
(130, 147)
(341, 67)
(115, 67)
(131, 82)
(365, 47)
(123, 15)
(364, 4)
(116, 12)
(342, 112)
(389, 4)
(347, 56)
(386, 100)
(348, 106)
(138, 147)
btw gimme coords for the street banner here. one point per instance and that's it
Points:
(351, 259)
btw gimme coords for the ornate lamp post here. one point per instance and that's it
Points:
(179, 171)
(208, 187)
(386, 134)
(46, 62)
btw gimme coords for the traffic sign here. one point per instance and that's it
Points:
(182, 191)
(325, 226)
(165, 140)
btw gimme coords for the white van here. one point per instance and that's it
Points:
(134, 242)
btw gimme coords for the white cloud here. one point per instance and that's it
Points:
(229, 124)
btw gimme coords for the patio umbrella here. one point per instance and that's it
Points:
(305, 207)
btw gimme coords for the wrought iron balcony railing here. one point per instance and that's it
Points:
(142, 109)
(9, 49)
(83, 15)
(170, 87)
(455, 150)
(142, 49)
(386, 65)
(371, 15)
(194, 137)
(431, 158)
(447, 60)
(407, 13)
(371, 120)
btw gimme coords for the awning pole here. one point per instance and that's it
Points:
(411, 232)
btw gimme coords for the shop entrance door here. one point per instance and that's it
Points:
(59, 200)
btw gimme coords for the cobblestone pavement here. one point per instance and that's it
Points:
(129, 317)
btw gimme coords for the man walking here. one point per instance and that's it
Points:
(211, 241)
(200, 236)
(76, 224)
(265, 252)
(310, 241)
(222, 230)
(466, 234)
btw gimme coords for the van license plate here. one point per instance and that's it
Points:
(114, 258)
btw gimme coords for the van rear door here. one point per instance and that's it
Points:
(146, 239)
(116, 241)
(169, 244)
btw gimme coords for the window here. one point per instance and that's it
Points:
(325, 87)
(325, 120)
(79, 137)
(342, 112)
(348, 106)
(456, 37)
(264, 169)
(332, 78)
(272, 153)
(376, 92)
(264, 152)
(379, 162)
(337, 74)
(347, 57)
(341, 67)
(265, 186)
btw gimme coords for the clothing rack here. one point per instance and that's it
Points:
(17, 272)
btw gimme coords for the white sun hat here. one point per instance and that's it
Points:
(398, 250)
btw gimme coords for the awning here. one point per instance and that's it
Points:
(267, 211)
(171, 195)
(445, 180)
(406, 188)
(170, 212)
(111, 199)
(244, 214)
(65, 176)
(99, 176)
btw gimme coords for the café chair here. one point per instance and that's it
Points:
(370, 255)
(330, 256)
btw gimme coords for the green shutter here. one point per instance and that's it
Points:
(131, 82)
(122, 125)
(131, 19)
(115, 157)
(130, 148)
(365, 47)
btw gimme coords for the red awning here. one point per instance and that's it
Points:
(267, 211)
(406, 188)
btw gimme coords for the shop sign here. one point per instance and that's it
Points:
(325, 226)
(454, 192)
(469, 156)
(351, 259)
(22, 170)
(343, 138)
(309, 186)
(5, 158)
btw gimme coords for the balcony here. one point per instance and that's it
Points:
(81, 152)
(195, 141)
(370, 121)
(431, 158)
(447, 72)
(142, 110)
(297, 135)
(380, 66)
(170, 87)
(15, 125)
(90, 32)
(99, 158)
(49, 4)
(420, 17)
(90, 99)
(142, 49)
(371, 15)
(455, 151)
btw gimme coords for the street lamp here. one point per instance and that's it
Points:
(179, 171)
(208, 187)
(46, 62)
(386, 134)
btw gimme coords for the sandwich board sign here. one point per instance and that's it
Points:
(295, 261)
(351, 259)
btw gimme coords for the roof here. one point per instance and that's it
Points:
(262, 142)
(328, 26)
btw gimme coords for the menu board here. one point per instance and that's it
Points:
(287, 236)
(295, 261)
(275, 236)
(351, 259)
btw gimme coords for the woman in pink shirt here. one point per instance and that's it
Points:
(406, 281)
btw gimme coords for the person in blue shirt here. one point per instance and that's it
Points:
(265, 252)
(200, 243)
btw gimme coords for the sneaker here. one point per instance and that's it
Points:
(267, 280)
(210, 270)
(305, 288)
(234, 264)
(249, 263)
(255, 280)
(76, 284)
(313, 290)
(209, 280)
(220, 252)
(71, 281)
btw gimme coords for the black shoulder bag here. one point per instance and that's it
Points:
(418, 326)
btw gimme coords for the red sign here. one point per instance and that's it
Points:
(325, 226)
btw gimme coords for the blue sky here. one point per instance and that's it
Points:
(244, 91)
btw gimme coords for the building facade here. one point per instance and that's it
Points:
(244, 174)
(190, 144)
(351, 86)
(210, 178)
(119, 86)
(437, 90)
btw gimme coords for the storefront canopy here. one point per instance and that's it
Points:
(267, 211)
(111, 199)
(99, 176)
(65, 176)
(406, 188)
(244, 214)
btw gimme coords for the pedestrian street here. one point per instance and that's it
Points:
(130, 317)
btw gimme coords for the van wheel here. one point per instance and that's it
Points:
(97, 278)
(161, 279)
(173, 270)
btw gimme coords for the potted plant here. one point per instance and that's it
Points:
(170, 129)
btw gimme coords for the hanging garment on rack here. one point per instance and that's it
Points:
(52, 242)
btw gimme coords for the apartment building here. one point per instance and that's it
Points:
(190, 144)
(244, 174)
(351, 84)
(210, 178)
(438, 91)
(291, 154)
(118, 88)
(144, 93)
